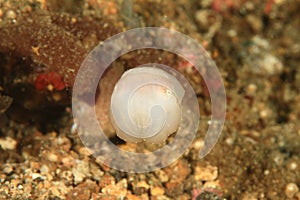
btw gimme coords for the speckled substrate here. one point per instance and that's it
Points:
(256, 47)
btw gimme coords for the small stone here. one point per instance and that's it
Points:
(271, 64)
(68, 161)
(83, 191)
(155, 191)
(162, 176)
(106, 180)
(198, 144)
(163, 197)
(119, 190)
(201, 17)
(133, 197)
(64, 143)
(8, 143)
(260, 58)
(229, 141)
(207, 195)
(20, 187)
(232, 33)
(251, 89)
(96, 172)
(36, 176)
(208, 22)
(291, 189)
(174, 189)
(52, 157)
(5, 102)
(208, 173)
(8, 169)
(59, 189)
(255, 22)
(140, 187)
(179, 171)
(205, 3)
(81, 171)
(266, 172)
(44, 169)
(212, 184)
(264, 113)
(84, 151)
(293, 166)
(68, 176)
(35, 165)
(10, 14)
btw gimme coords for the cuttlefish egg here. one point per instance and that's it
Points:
(146, 105)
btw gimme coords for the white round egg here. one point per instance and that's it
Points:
(146, 105)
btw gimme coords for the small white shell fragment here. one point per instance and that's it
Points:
(291, 189)
(8, 143)
(146, 105)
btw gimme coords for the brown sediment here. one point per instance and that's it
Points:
(56, 41)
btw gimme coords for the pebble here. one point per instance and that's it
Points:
(207, 173)
(229, 141)
(155, 191)
(44, 169)
(271, 64)
(249, 6)
(201, 17)
(162, 175)
(249, 196)
(35, 165)
(178, 171)
(205, 3)
(208, 21)
(266, 172)
(106, 180)
(64, 143)
(255, 23)
(251, 89)
(8, 143)
(119, 190)
(20, 187)
(10, 14)
(96, 172)
(134, 197)
(52, 157)
(293, 165)
(68, 161)
(291, 189)
(81, 171)
(140, 187)
(84, 151)
(232, 33)
(67, 176)
(264, 113)
(8, 169)
(36, 176)
(58, 188)
(212, 184)
(260, 60)
(198, 144)
(83, 191)
(173, 189)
